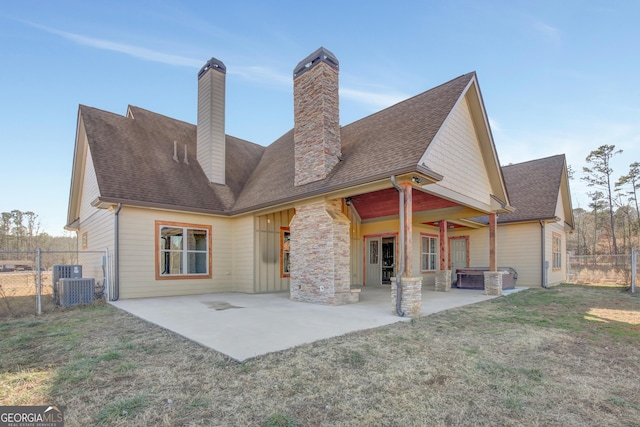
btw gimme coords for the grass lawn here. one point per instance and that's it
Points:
(567, 356)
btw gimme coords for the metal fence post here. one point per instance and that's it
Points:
(634, 267)
(38, 283)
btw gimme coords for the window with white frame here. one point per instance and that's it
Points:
(429, 252)
(183, 250)
(557, 251)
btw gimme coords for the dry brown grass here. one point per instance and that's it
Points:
(568, 356)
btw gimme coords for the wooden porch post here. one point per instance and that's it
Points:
(444, 246)
(493, 256)
(408, 229)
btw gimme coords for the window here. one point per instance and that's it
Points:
(429, 252)
(557, 251)
(285, 251)
(183, 250)
(373, 252)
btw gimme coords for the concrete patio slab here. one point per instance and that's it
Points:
(243, 326)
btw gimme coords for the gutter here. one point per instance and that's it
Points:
(116, 255)
(400, 271)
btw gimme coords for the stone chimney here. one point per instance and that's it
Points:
(210, 130)
(316, 131)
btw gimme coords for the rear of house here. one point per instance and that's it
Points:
(186, 209)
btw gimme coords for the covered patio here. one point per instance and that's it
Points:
(243, 326)
(411, 232)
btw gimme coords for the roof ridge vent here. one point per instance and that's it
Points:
(320, 55)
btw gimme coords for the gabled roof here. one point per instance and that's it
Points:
(388, 142)
(534, 188)
(133, 161)
(133, 156)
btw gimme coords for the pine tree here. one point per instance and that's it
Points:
(599, 176)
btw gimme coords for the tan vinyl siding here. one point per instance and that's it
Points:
(428, 278)
(137, 255)
(267, 251)
(356, 253)
(555, 276)
(560, 275)
(99, 229)
(518, 247)
(457, 146)
(99, 237)
(243, 253)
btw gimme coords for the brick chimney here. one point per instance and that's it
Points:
(316, 116)
(210, 130)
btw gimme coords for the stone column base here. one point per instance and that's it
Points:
(411, 303)
(443, 281)
(493, 282)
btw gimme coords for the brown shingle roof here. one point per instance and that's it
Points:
(133, 157)
(376, 146)
(133, 160)
(534, 187)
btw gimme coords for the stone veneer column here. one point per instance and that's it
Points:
(493, 282)
(411, 303)
(320, 258)
(443, 280)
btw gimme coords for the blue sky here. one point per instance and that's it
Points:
(556, 76)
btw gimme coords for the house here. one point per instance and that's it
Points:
(413, 191)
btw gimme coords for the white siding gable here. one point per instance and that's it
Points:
(455, 153)
(560, 209)
(90, 190)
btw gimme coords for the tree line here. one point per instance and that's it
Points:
(611, 224)
(21, 232)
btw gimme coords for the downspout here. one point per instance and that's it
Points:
(543, 255)
(400, 271)
(116, 256)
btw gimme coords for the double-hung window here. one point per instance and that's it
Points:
(183, 250)
(557, 251)
(429, 252)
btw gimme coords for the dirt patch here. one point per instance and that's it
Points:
(533, 358)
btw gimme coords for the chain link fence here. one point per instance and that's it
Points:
(603, 269)
(26, 278)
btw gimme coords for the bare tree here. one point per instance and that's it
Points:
(32, 230)
(597, 203)
(18, 228)
(599, 176)
(5, 230)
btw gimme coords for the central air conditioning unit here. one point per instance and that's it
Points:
(75, 291)
(63, 271)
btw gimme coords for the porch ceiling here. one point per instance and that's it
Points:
(384, 203)
(427, 208)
